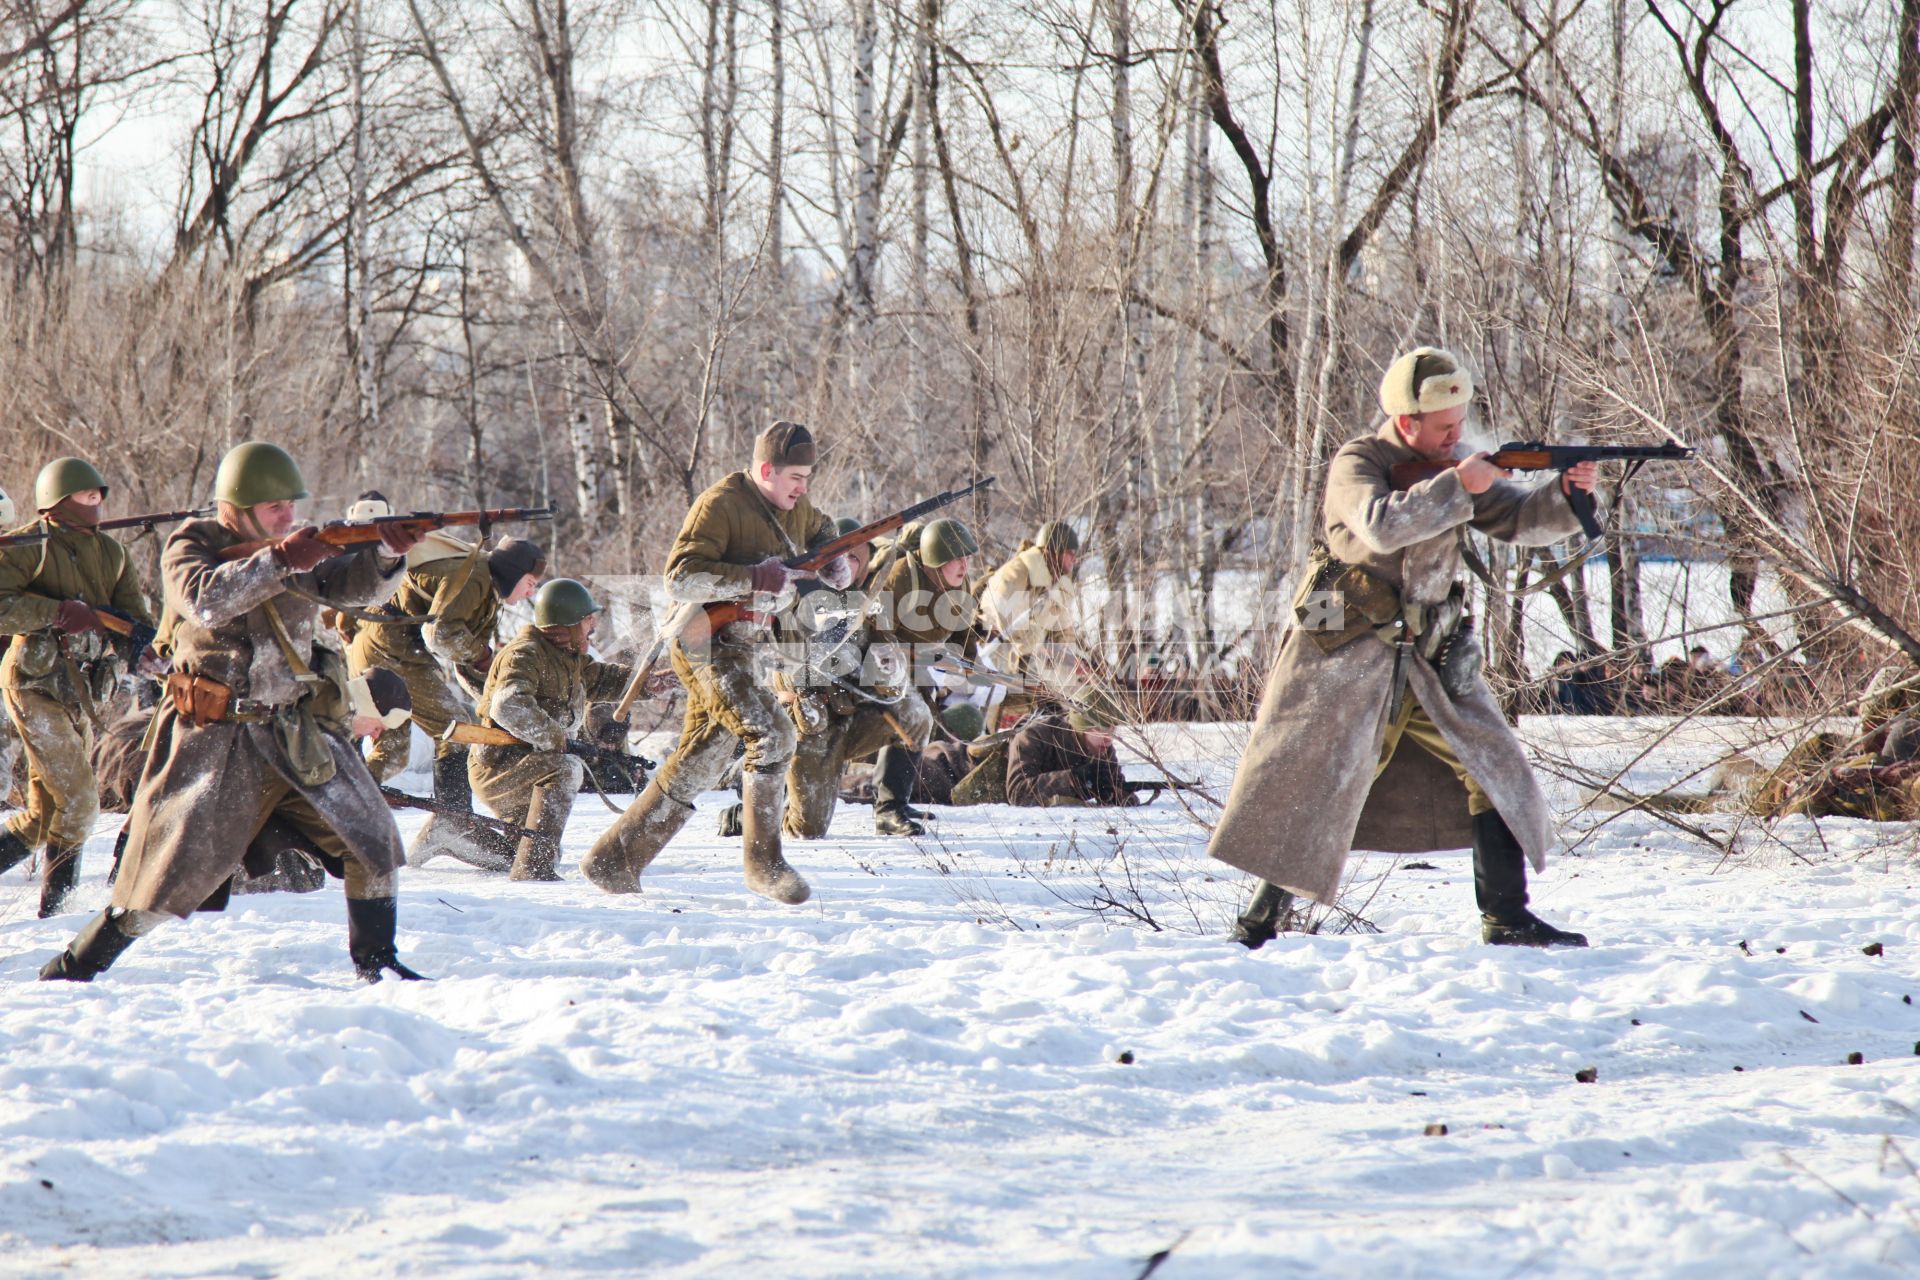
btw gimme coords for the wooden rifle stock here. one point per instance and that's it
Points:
(355, 533)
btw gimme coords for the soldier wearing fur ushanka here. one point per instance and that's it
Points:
(1356, 680)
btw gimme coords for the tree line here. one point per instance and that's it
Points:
(1144, 262)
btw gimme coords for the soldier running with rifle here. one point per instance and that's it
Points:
(235, 743)
(459, 590)
(737, 559)
(65, 590)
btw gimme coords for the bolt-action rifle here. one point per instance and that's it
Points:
(398, 799)
(145, 522)
(479, 735)
(356, 533)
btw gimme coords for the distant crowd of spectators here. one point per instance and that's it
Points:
(1627, 684)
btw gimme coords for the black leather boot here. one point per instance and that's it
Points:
(892, 788)
(92, 951)
(59, 880)
(730, 821)
(450, 783)
(13, 850)
(370, 939)
(1500, 887)
(1268, 913)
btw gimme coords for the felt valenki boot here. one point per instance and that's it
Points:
(635, 839)
(763, 801)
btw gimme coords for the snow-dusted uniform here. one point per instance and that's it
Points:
(208, 789)
(54, 684)
(537, 691)
(729, 529)
(1325, 719)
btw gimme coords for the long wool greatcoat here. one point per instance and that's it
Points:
(206, 792)
(1308, 771)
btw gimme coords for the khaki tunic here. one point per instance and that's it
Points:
(1309, 768)
(459, 593)
(207, 791)
(52, 684)
(538, 692)
(813, 779)
(729, 529)
(914, 609)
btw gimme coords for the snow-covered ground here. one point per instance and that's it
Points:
(949, 1064)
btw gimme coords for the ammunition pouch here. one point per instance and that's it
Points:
(1337, 602)
(198, 700)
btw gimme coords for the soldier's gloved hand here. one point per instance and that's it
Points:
(838, 573)
(769, 577)
(303, 549)
(76, 617)
(398, 539)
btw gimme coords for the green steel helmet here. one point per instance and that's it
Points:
(257, 472)
(844, 526)
(7, 512)
(563, 602)
(944, 541)
(61, 479)
(963, 720)
(1056, 536)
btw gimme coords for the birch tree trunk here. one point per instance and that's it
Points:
(866, 198)
(359, 235)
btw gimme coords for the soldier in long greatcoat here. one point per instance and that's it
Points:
(236, 743)
(1361, 676)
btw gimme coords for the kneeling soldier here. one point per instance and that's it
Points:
(537, 690)
(845, 719)
(60, 668)
(236, 743)
(923, 608)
